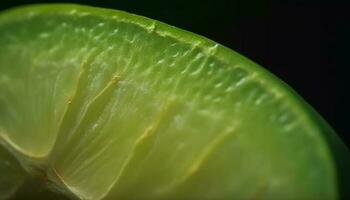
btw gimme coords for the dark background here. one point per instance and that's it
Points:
(304, 42)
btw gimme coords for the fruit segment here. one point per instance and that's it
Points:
(37, 77)
(12, 176)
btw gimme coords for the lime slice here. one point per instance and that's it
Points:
(102, 104)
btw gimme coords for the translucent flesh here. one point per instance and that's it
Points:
(117, 106)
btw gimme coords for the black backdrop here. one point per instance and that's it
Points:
(304, 42)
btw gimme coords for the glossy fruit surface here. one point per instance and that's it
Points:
(102, 104)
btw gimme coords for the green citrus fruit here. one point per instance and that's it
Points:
(102, 104)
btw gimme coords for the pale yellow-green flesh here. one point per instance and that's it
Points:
(117, 106)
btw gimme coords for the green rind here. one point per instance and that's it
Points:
(315, 123)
